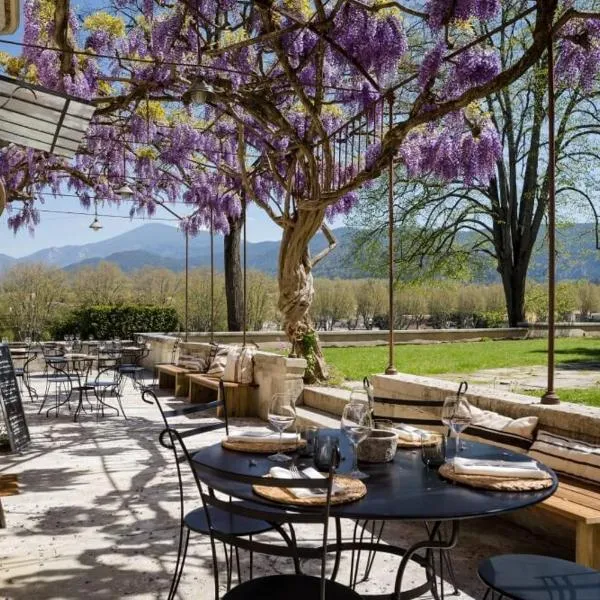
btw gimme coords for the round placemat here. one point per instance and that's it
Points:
(262, 447)
(487, 482)
(353, 489)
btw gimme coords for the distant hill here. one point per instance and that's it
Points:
(160, 245)
(163, 246)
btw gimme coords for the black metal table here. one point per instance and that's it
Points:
(400, 490)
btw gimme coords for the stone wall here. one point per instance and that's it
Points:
(573, 420)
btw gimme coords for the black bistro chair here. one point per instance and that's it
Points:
(533, 577)
(197, 520)
(296, 586)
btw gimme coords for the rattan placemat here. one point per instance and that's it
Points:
(353, 489)
(487, 482)
(263, 447)
(414, 445)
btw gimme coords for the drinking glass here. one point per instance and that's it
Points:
(433, 449)
(456, 414)
(327, 452)
(356, 424)
(384, 424)
(5, 340)
(282, 414)
(309, 434)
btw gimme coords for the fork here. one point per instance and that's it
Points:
(298, 474)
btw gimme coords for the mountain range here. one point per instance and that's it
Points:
(160, 245)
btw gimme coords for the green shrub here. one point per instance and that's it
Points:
(106, 322)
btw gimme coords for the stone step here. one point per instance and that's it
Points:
(312, 416)
(327, 400)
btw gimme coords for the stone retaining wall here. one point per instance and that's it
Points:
(573, 420)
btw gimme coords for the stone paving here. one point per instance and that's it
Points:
(97, 518)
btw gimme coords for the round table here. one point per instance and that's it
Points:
(400, 490)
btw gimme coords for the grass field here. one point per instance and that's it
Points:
(459, 357)
(589, 396)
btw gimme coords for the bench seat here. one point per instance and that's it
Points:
(203, 388)
(172, 377)
(579, 504)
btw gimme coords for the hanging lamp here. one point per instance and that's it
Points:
(96, 225)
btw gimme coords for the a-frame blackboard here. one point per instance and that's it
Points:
(10, 403)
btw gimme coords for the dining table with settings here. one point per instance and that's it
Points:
(401, 490)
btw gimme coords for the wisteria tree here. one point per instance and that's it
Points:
(293, 105)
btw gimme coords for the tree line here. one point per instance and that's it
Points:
(41, 299)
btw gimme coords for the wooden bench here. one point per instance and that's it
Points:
(203, 388)
(171, 377)
(580, 505)
(9, 486)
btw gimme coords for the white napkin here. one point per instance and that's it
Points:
(498, 468)
(408, 433)
(281, 473)
(261, 435)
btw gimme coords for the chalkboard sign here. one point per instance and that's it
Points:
(10, 403)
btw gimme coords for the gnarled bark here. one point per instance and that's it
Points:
(233, 275)
(296, 290)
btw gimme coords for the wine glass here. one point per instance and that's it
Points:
(456, 414)
(356, 424)
(282, 414)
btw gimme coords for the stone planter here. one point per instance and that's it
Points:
(379, 447)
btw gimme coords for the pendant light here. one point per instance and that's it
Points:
(96, 225)
(125, 190)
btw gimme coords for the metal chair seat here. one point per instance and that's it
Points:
(290, 587)
(533, 577)
(105, 384)
(225, 523)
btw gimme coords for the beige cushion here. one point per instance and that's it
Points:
(192, 362)
(568, 456)
(525, 426)
(240, 365)
(219, 361)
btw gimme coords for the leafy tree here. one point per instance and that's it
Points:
(157, 286)
(371, 300)
(34, 296)
(295, 113)
(105, 284)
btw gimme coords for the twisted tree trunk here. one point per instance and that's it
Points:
(296, 290)
(233, 275)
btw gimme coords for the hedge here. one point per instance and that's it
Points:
(107, 322)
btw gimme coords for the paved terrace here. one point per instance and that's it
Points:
(97, 518)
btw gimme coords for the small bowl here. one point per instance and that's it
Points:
(379, 447)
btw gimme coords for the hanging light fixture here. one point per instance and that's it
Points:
(96, 225)
(125, 190)
(199, 91)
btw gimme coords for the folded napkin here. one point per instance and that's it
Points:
(261, 435)
(498, 468)
(408, 433)
(312, 473)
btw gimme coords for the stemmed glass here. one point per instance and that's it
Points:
(456, 414)
(282, 414)
(356, 424)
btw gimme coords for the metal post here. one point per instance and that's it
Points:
(550, 396)
(212, 278)
(391, 369)
(187, 281)
(244, 316)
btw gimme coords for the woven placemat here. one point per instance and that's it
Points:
(486, 482)
(353, 489)
(263, 447)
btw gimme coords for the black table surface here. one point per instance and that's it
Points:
(402, 489)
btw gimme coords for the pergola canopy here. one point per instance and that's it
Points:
(39, 118)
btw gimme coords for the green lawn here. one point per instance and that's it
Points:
(459, 357)
(589, 396)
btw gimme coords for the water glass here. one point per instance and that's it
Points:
(309, 435)
(433, 449)
(282, 414)
(327, 452)
(456, 414)
(357, 424)
(383, 424)
(5, 340)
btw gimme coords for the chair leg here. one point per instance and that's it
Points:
(177, 574)
(215, 567)
(179, 553)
